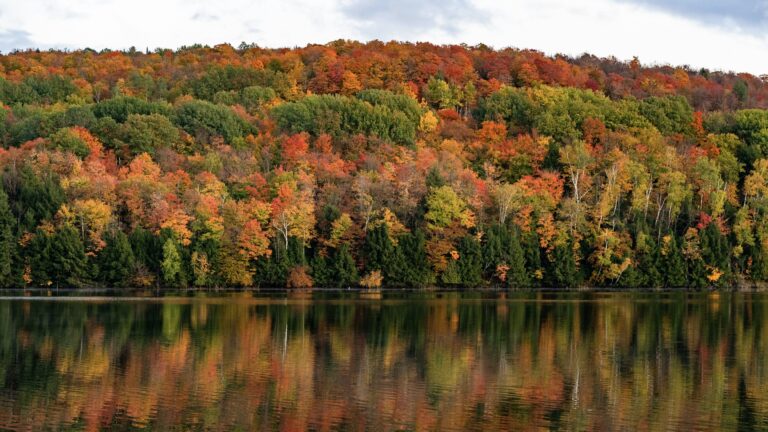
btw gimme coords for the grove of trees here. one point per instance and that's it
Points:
(405, 165)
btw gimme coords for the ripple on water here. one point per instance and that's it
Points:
(608, 362)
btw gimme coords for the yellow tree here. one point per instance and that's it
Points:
(577, 159)
(293, 213)
(92, 217)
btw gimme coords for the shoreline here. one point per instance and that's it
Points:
(266, 291)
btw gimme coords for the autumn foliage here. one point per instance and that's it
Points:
(421, 164)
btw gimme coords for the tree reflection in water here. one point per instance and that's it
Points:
(579, 361)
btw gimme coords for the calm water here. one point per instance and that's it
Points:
(576, 361)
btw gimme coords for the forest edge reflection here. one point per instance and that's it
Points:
(643, 361)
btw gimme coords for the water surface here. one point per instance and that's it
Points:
(538, 361)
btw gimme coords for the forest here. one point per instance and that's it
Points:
(379, 164)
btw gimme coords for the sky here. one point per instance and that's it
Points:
(725, 35)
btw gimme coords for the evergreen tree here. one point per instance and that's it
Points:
(38, 253)
(650, 268)
(171, 262)
(378, 250)
(470, 263)
(644, 273)
(632, 277)
(7, 242)
(495, 249)
(147, 249)
(413, 249)
(295, 253)
(563, 270)
(716, 252)
(116, 260)
(33, 198)
(344, 267)
(398, 268)
(322, 273)
(274, 271)
(517, 276)
(532, 252)
(451, 275)
(57, 258)
(674, 265)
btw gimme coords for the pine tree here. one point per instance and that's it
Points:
(7, 242)
(517, 276)
(398, 268)
(273, 272)
(532, 252)
(322, 273)
(35, 197)
(632, 278)
(470, 263)
(344, 267)
(495, 249)
(674, 265)
(295, 253)
(410, 263)
(644, 273)
(147, 249)
(378, 250)
(116, 260)
(716, 252)
(65, 256)
(451, 275)
(38, 253)
(649, 268)
(171, 262)
(563, 270)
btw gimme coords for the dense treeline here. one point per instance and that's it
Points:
(378, 164)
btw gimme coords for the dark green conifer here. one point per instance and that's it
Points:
(470, 262)
(344, 267)
(517, 276)
(7, 242)
(116, 260)
(674, 264)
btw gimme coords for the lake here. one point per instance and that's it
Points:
(420, 361)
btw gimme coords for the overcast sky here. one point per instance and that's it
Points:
(728, 35)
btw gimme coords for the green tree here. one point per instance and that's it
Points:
(147, 249)
(562, 270)
(345, 271)
(146, 133)
(517, 276)
(171, 264)
(673, 263)
(410, 265)
(440, 94)
(378, 250)
(470, 262)
(119, 108)
(532, 252)
(33, 198)
(716, 253)
(741, 91)
(116, 260)
(205, 120)
(322, 273)
(7, 241)
(57, 258)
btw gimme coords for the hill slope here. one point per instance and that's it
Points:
(401, 164)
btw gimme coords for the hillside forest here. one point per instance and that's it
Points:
(378, 165)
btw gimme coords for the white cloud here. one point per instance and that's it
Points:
(604, 27)
(601, 27)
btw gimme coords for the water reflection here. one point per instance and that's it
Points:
(535, 361)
